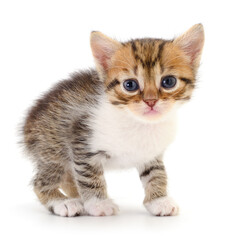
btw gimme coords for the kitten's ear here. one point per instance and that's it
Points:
(103, 48)
(191, 42)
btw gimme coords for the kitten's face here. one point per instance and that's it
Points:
(150, 78)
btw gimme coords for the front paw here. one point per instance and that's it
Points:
(163, 206)
(100, 207)
(67, 207)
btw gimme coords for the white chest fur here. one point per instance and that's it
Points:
(128, 141)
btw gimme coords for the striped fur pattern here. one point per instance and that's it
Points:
(154, 180)
(91, 122)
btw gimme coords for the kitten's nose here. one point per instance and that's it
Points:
(150, 102)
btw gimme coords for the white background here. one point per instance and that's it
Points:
(41, 42)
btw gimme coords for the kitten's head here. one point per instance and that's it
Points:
(149, 77)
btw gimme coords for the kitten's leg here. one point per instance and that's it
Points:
(46, 186)
(154, 180)
(89, 174)
(69, 186)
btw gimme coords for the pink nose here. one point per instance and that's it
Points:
(150, 102)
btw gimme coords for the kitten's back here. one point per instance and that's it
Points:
(50, 120)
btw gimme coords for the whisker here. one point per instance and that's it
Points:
(126, 58)
(115, 67)
(172, 59)
(124, 62)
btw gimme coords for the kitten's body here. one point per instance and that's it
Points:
(97, 121)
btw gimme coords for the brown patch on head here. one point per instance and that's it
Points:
(123, 67)
(173, 62)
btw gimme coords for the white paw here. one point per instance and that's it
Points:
(163, 206)
(99, 207)
(66, 208)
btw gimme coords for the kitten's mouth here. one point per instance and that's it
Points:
(151, 111)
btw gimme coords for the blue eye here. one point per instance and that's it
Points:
(168, 82)
(131, 85)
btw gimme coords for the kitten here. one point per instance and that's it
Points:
(120, 115)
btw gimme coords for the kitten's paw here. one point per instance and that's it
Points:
(99, 207)
(163, 206)
(66, 208)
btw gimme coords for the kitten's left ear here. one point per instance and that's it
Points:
(191, 42)
(103, 48)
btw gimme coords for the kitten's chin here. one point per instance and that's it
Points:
(153, 115)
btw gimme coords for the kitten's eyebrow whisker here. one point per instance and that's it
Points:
(124, 62)
(126, 58)
(172, 59)
(115, 67)
(131, 53)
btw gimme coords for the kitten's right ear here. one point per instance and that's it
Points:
(103, 48)
(191, 42)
